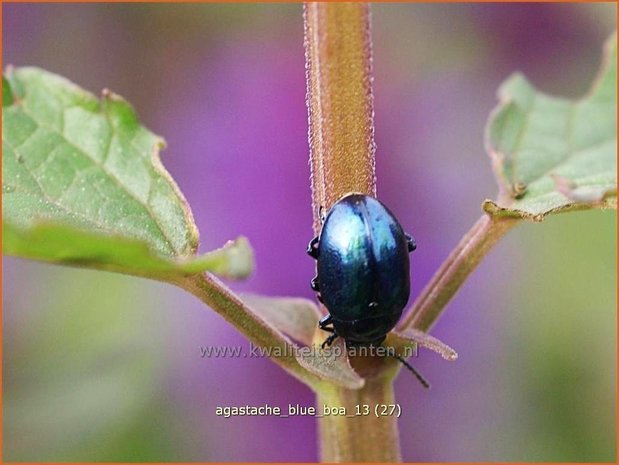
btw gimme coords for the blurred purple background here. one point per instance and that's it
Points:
(224, 84)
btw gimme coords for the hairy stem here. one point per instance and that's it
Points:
(338, 57)
(341, 134)
(216, 295)
(363, 438)
(454, 271)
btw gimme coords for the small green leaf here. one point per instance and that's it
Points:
(7, 97)
(298, 318)
(551, 154)
(83, 184)
(409, 336)
(332, 365)
(295, 317)
(235, 260)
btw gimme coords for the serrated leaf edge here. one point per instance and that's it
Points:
(506, 195)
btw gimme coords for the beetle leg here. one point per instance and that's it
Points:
(312, 248)
(324, 321)
(326, 324)
(314, 283)
(327, 342)
(410, 240)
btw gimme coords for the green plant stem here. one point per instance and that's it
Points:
(338, 55)
(454, 271)
(364, 438)
(216, 295)
(341, 135)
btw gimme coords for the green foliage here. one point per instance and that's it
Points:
(551, 154)
(83, 185)
(295, 317)
(71, 246)
(7, 97)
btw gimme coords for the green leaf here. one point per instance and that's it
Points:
(83, 184)
(551, 154)
(7, 97)
(298, 318)
(70, 246)
(294, 316)
(410, 336)
(332, 365)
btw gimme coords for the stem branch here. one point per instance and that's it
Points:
(462, 260)
(341, 135)
(364, 438)
(216, 295)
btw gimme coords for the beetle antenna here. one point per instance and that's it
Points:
(421, 379)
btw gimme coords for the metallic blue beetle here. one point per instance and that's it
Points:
(363, 274)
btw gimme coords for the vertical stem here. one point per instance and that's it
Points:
(338, 55)
(364, 438)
